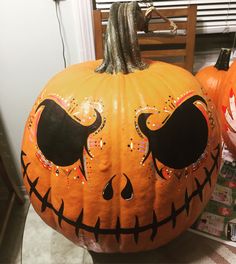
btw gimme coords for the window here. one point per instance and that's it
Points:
(213, 16)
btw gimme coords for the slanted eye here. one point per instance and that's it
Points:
(60, 138)
(183, 138)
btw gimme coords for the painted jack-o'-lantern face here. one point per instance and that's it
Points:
(121, 162)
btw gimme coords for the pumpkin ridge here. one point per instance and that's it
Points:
(132, 230)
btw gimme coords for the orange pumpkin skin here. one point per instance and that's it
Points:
(121, 203)
(227, 109)
(211, 77)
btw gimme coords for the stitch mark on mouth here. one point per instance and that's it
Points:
(24, 167)
(118, 230)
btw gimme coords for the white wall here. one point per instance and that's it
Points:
(31, 53)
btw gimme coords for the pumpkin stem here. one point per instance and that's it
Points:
(223, 60)
(121, 50)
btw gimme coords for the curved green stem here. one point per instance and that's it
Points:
(121, 50)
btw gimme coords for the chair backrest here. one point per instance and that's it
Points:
(159, 44)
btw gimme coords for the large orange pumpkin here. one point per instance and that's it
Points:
(121, 162)
(211, 77)
(228, 109)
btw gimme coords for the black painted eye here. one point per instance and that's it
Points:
(60, 138)
(182, 139)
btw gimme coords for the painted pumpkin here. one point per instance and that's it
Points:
(211, 77)
(228, 109)
(121, 162)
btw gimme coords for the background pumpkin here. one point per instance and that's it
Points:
(211, 77)
(228, 108)
(121, 162)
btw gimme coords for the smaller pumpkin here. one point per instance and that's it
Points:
(211, 77)
(228, 108)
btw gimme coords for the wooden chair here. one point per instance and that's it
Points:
(159, 44)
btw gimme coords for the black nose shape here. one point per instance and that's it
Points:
(108, 190)
(126, 193)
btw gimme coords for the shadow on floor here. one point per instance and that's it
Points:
(187, 248)
(10, 249)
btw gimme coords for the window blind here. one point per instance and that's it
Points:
(213, 16)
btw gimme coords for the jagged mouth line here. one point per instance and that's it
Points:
(96, 230)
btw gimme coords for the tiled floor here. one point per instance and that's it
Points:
(42, 245)
(52, 247)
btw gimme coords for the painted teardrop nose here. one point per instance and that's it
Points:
(127, 192)
(108, 190)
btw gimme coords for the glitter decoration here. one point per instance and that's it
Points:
(46, 163)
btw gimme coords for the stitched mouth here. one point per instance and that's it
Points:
(118, 230)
